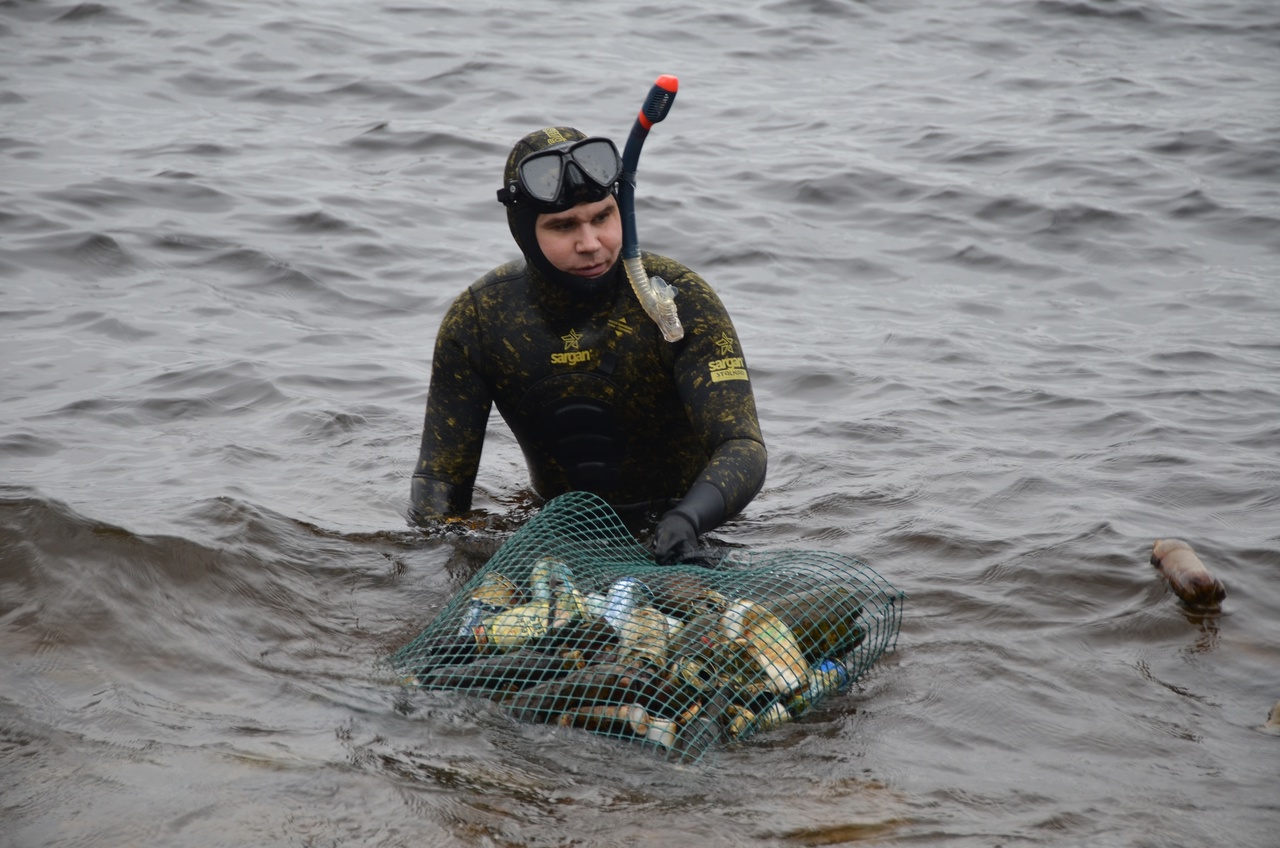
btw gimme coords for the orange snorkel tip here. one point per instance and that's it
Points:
(658, 103)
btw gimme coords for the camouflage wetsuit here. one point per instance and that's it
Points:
(596, 398)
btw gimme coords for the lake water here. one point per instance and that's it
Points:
(1006, 278)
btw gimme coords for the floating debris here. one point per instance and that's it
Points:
(1186, 574)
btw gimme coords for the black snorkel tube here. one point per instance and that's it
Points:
(657, 298)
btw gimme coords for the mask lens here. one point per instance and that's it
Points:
(598, 160)
(540, 176)
(546, 177)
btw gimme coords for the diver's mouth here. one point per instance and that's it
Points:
(592, 270)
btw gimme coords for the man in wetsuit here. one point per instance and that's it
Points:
(596, 398)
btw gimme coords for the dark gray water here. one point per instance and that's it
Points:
(1006, 277)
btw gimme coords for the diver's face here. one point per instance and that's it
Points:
(584, 241)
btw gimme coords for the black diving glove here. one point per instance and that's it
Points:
(674, 539)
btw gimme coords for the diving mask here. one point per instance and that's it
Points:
(565, 174)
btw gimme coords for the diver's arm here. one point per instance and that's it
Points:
(737, 468)
(736, 471)
(431, 499)
(716, 389)
(458, 405)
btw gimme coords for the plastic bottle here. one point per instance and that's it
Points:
(825, 678)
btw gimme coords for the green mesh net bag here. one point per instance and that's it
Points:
(572, 623)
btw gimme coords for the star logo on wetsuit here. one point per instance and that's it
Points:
(573, 353)
(727, 367)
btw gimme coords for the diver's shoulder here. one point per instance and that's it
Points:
(670, 269)
(504, 275)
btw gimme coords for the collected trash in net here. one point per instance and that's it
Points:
(573, 623)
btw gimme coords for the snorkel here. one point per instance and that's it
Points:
(654, 294)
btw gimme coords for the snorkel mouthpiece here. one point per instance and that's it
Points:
(655, 295)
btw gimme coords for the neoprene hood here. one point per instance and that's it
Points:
(522, 214)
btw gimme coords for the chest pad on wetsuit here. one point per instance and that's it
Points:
(575, 417)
